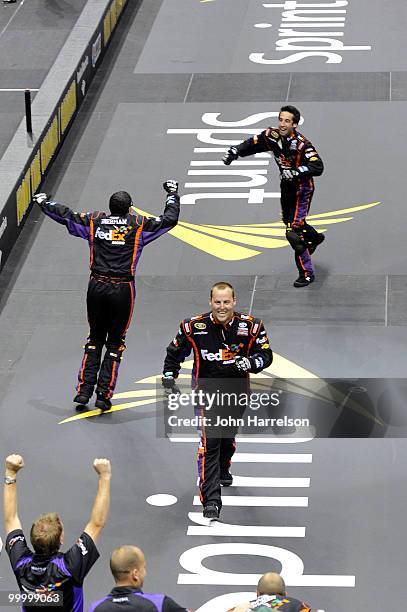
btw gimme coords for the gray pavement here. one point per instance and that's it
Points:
(31, 35)
(351, 323)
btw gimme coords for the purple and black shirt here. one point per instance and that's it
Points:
(129, 599)
(62, 572)
(115, 241)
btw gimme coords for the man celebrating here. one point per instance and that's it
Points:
(298, 162)
(116, 241)
(128, 566)
(271, 595)
(227, 346)
(46, 570)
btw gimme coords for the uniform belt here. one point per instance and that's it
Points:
(112, 279)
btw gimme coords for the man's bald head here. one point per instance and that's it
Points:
(127, 563)
(271, 584)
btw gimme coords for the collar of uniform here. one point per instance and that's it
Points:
(44, 559)
(124, 590)
(293, 136)
(221, 324)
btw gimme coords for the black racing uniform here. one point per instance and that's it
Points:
(298, 153)
(121, 599)
(282, 603)
(63, 572)
(115, 246)
(215, 347)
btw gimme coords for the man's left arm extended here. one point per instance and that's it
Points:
(154, 227)
(77, 224)
(13, 464)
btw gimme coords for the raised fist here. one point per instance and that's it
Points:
(40, 198)
(14, 463)
(171, 186)
(102, 467)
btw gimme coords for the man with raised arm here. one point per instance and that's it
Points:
(116, 241)
(45, 570)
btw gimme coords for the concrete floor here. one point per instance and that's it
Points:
(347, 504)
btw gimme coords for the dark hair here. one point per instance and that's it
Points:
(223, 285)
(294, 111)
(46, 533)
(119, 203)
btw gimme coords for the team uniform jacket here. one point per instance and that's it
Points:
(215, 346)
(295, 152)
(282, 603)
(115, 242)
(62, 572)
(129, 599)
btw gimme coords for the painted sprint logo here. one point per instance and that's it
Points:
(242, 241)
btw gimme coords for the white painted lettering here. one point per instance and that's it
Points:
(259, 58)
(292, 567)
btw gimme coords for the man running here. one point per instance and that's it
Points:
(298, 162)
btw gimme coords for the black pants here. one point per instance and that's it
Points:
(110, 307)
(217, 444)
(214, 457)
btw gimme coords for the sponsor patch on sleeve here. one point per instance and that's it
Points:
(18, 538)
(259, 362)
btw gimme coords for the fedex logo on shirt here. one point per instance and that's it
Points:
(114, 235)
(221, 355)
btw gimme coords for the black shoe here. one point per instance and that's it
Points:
(315, 243)
(9, 1)
(81, 399)
(226, 478)
(211, 511)
(304, 281)
(103, 403)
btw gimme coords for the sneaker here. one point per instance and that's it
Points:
(83, 400)
(9, 1)
(304, 281)
(226, 478)
(314, 244)
(211, 511)
(103, 403)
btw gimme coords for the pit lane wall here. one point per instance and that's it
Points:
(26, 161)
